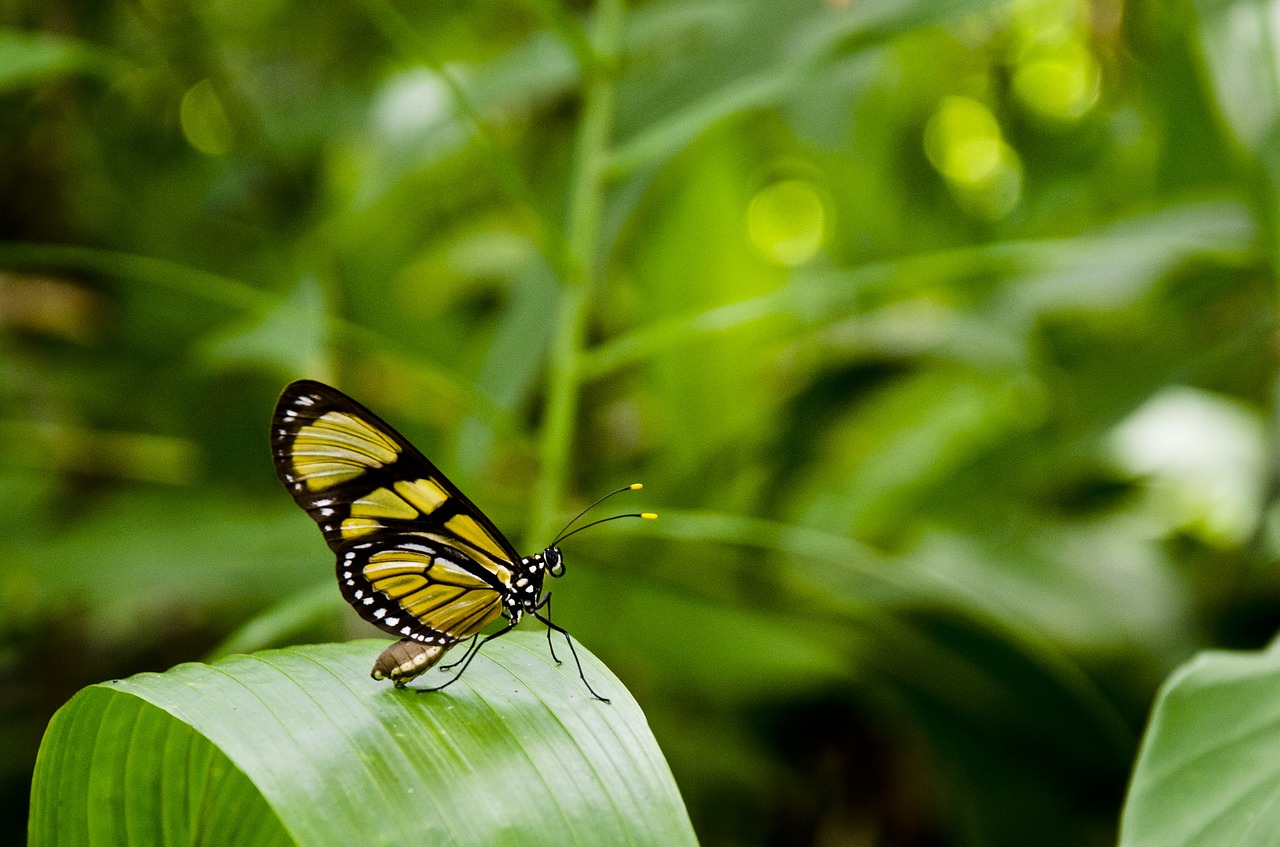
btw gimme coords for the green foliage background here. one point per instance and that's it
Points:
(942, 335)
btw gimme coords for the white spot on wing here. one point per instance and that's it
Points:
(392, 621)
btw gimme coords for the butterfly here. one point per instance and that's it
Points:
(415, 557)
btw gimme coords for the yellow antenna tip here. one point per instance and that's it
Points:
(649, 516)
(635, 486)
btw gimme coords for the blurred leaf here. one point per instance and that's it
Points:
(431, 112)
(1240, 41)
(902, 442)
(290, 339)
(714, 649)
(1205, 459)
(281, 624)
(996, 699)
(1104, 269)
(1084, 587)
(514, 360)
(28, 57)
(1031, 748)
(1117, 264)
(158, 559)
(887, 601)
(705, 409)
(120, 455)
(239, 298)
(749, 60)
(300, 746)
(1208, 773)
(201, 286)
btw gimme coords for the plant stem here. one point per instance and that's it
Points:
(582, 269)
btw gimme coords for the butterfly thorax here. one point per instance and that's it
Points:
(526, 586)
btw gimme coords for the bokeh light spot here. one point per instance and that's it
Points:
(787, 221)
(411, 103)
(964, 143)
(963, 140)
(204, 120)
(1062, 84)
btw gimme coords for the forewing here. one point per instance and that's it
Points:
(358, 478)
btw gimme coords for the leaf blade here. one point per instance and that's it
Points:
(515, 753)
(1209, 769)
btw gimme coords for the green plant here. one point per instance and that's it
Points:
(941, 334)
(298, 746)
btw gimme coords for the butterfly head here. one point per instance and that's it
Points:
(554, 561)
(549, 562)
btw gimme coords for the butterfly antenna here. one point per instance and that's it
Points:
(649, 516)
(635, 486)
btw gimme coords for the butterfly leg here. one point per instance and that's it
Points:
(471, 654)
(569, 641)
(546, 601)
(465, 654)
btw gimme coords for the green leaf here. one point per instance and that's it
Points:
(31, 57)
(300, 746)
(290, 338)
(514, 359)
(1110, 267)
(755, 57)
(1239, 42)
(1208, 774)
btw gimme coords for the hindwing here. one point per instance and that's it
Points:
(413, 588)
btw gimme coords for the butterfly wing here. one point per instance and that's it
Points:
(415, 556)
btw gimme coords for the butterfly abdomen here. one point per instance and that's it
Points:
(406, 659)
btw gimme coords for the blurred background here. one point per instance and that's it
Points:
(942, 335)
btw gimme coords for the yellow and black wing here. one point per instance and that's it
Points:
(415, 556)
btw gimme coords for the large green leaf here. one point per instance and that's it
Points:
(301, 746)
(1209, 771)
